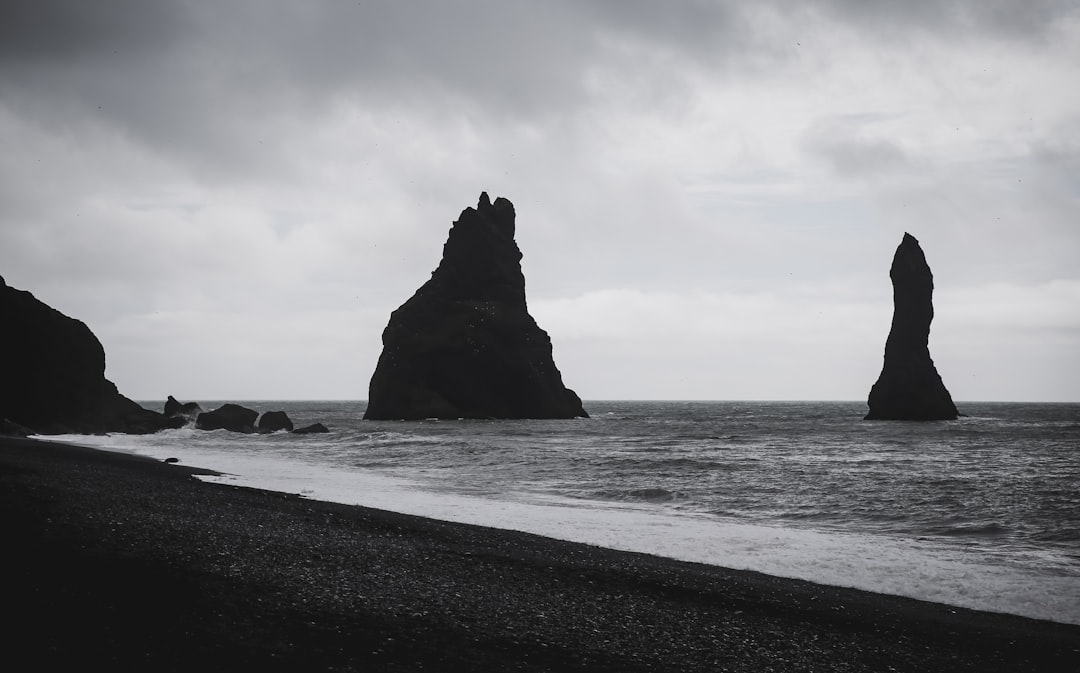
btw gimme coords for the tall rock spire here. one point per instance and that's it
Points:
(909, 387)
(464, 345)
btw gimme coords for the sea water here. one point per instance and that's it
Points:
(981, 512)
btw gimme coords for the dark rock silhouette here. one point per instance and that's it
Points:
(12, 429)
(464, 345)
(272, 421)
(237, 418)
(52, 374)
(187, 411)
(232, 417)
(909, 387)
(311, 429)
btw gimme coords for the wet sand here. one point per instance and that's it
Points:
(128, 562)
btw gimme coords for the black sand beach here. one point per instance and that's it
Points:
(132, 564)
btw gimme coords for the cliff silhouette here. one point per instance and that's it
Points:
(464, 345)
(909, 387)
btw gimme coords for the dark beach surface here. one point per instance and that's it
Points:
(127, 562)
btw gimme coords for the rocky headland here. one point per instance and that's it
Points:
(52, 381)
(53, 375)
(464, 345)
(909, 387)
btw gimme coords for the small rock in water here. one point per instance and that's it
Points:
(232, 417)
(186, 410)
(272, 421)
(309, 429)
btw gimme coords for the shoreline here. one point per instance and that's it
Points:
(123, 558)
(939, 570)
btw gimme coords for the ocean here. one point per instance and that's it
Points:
(981, 512)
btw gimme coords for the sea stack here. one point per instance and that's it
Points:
(52, 374)
(909, 387)
(464, 345)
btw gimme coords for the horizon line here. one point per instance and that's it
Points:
(609, 399)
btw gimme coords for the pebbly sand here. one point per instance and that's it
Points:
(126, 562)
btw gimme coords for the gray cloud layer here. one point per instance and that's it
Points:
(188, 77)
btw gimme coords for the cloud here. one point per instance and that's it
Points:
(950, 19)
(66, 31)
(230, 164)
(798, 314)
(707, 345)
(294, 352)
(1005, 340)
(187, 79)
(852, 149)
(1004, 307)
(996, 341)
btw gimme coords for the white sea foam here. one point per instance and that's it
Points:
(905, 567)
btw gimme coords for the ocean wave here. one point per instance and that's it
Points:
(992, 529)
(654, 494)
(1001, 483)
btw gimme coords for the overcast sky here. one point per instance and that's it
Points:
(235, 195)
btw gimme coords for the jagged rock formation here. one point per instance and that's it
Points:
(236, 418)
(232, 417)
(188, 411)
(464, 345)
(910, 387)
(52, 374)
